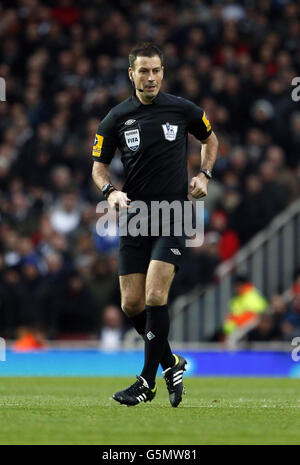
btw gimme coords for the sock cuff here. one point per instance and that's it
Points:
(139, 322)
(138, 317)
(156, 309)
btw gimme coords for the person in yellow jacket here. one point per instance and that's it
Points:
(245, 306)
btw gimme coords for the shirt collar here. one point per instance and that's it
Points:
(137, 103)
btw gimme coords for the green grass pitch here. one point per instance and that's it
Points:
(213, 411)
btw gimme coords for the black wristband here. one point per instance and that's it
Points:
(109, 192)
(207, 173)
(107, 189)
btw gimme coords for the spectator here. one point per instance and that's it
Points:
(244, 307)
(65, 215)
(74, 309)
(198, 266)
(254, 212)
(291, 320)
(229, 241)
(296, 285)
(103, 282)
(32, 280)
(29, 338)
(265, 330)
(111, 332)
(11, 298)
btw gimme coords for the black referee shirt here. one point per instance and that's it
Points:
(152, 140)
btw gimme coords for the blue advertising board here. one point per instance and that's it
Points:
(57, 362)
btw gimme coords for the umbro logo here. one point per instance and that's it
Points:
(129, 122)
(150, 336)
(176, 251)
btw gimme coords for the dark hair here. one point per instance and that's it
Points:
(145, 49)
(241, 279)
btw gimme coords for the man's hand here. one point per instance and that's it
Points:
(118, 199)
(198, 186)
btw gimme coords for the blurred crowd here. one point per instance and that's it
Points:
(65, 65)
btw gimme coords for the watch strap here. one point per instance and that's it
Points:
(207, 173)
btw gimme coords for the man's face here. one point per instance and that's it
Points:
(147, 74)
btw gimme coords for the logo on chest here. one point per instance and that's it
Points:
(132, 139)
(129, 122)
(170, 131)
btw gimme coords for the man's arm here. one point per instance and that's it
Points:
(104, 147)
(209, 150)
(100, 174)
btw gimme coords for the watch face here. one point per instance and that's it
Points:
(105, 188)
(207, 173)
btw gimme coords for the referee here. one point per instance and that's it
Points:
(150, 129)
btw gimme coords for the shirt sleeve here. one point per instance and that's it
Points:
(106, 141)
(198, 124)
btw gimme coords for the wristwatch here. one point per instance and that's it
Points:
(107, 189)
(207, 173)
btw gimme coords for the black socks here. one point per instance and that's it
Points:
(156, 342)
(139, 322)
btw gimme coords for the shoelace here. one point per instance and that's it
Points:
(168, 382)
(135, 389)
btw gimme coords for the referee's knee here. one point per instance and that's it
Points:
(156, 297)
(132, 307)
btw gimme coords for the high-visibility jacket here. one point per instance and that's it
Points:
(244, 307)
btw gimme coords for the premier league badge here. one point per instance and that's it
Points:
(170, 131)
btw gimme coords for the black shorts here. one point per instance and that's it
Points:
(135, 253)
